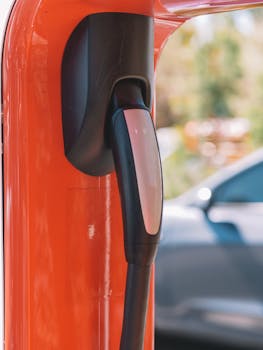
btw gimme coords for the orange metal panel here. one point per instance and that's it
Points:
(64, 257)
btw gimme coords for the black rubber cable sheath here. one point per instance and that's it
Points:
(140, 246)
(135, 308)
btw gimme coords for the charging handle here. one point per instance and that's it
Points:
(138, 168)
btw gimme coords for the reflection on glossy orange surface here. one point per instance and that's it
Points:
(190, 8)
(220, 5)
(64, 258)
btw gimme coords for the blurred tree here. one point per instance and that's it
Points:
(175, 76)
(219, 71)
(182, 170)
(256, 115)
(209, 67)
(198, 78)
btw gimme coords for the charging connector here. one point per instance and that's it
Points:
(138, 169)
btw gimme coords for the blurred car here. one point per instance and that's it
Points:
(209, 268)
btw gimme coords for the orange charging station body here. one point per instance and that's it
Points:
(63, 242)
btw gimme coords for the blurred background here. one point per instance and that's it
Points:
(209, 286)
(209, 96)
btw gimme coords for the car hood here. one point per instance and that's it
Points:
(229, 321)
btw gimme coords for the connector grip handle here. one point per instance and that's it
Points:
(138, 168)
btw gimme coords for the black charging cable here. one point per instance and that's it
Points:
(138, 169)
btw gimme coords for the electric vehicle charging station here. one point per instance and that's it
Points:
(65, 266)
(5, 9)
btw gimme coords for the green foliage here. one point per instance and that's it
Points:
(182, 170)
(175, 79)
(199, 80)
(256, 115)
(219, 71)
(257, 127)
(221, 77)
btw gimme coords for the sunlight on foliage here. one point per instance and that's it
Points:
(211, 69)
